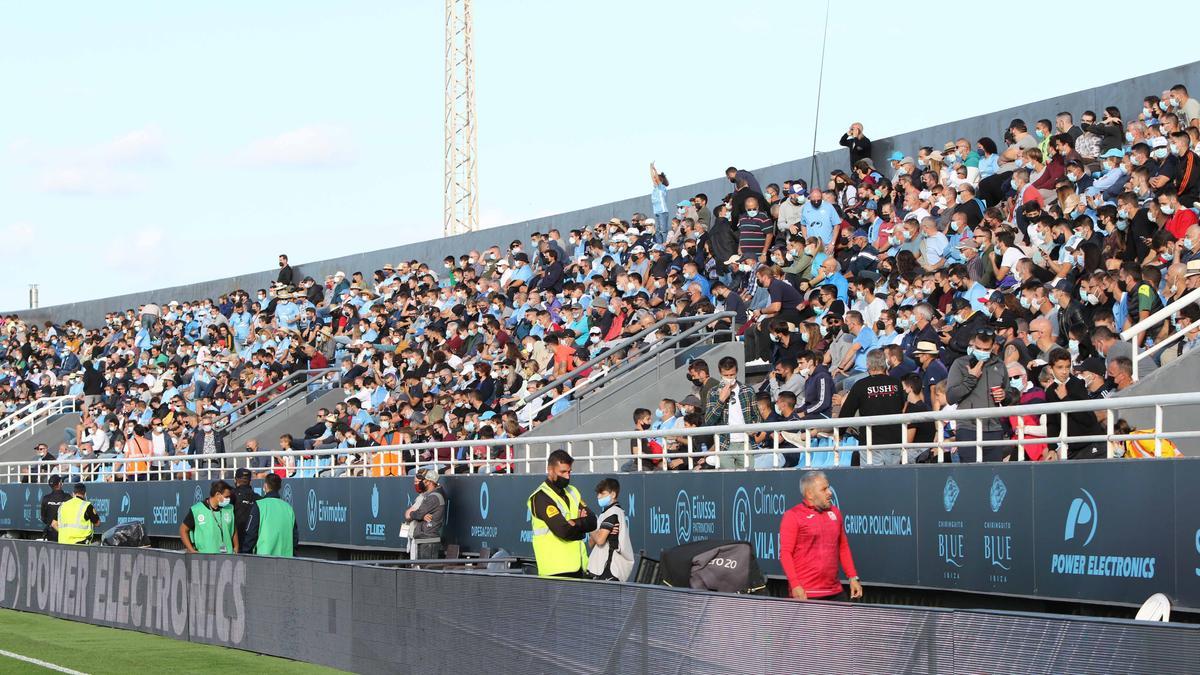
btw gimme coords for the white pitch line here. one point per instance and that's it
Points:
(39, 662)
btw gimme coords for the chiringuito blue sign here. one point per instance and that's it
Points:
(951, 533)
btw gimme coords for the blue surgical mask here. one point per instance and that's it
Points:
(751, 213)
(1015, 383)
(981, 354)
(604, 502)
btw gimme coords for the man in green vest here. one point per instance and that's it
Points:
(208, 526)
(560, 520)
(76, 518)
(273, 522)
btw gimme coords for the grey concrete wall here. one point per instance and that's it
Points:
(53, 432)
(1177, 377)
(1126, 94)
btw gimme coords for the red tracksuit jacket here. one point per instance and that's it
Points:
(811, 543)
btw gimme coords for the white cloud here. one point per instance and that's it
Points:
(88, 180)
(138, 254)
(137, 148)
(17, 238)
(312, 146)
(112, 167)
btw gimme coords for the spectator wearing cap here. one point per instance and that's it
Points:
(820, 219)
(864, 258)
(49, 507)
(1094, 374)
(243, 499)
(790, 208)
(426, 517)
(1112, 180)
(931, 369)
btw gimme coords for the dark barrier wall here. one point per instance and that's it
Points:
(1126, 94)
(370, 619)
(1113, 532)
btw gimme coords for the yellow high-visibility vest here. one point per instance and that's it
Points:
(555, 555)
(73, 528)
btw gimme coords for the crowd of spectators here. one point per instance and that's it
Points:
(969, 275)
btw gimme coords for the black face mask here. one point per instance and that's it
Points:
(562, 482)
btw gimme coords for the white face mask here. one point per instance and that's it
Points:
(224, 502)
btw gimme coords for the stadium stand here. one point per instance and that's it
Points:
(958, 274)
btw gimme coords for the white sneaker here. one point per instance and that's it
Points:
(757, 362)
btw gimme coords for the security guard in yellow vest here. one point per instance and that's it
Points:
(76, 518)
(561, 521)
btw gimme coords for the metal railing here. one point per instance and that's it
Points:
(279, 393)
(703, 321)
(617, 451)
(27, 419)
(1134, 333)
(702, 330)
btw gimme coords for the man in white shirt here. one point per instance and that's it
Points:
(866, 302)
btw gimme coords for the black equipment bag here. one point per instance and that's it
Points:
(726, 566)
(129, 535)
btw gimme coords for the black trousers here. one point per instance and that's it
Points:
(840, 597)
(991, 453)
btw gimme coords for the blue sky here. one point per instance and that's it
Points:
(147, 144)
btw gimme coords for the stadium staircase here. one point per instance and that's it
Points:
(43, 421)
(290, 410)
(607, 403)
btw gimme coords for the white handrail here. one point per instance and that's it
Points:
(1134, 332)
(219, 465)
(26, 418)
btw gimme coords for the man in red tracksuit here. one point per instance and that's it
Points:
(812, 541)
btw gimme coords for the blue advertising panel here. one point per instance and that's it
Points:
(976, 528)
(681, 508)
(1106, 530)
(1187, 534)
(880, 518)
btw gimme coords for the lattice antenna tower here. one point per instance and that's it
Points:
(461, 182)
